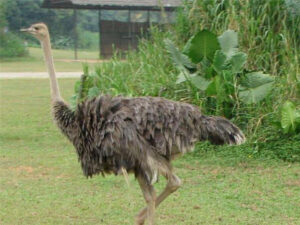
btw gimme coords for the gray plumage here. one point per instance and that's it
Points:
(140, 134)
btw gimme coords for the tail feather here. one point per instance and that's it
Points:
(220, 131)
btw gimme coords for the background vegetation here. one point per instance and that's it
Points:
(268, 32)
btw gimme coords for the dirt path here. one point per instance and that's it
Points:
(12, 75)
(83, 60)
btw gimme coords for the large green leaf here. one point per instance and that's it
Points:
(256, 79)
(238, 61)
(179, 59)
(181, 77)
(289, 117)
(200, 82)
(255, 87)
(229, 42)
(220, 62)
(204, 44)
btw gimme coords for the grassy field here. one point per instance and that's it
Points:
(35, 62)
(41, 181)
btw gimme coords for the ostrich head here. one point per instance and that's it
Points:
(39, 30)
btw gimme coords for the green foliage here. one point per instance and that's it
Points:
(179, 59)
(277, 145)
(11, 46)
(199, 82)
(144, 72)
(3, 21)
(290, 118)
(88, 39)
(85, 87)
(220, 62)
(202, 45)
(268, 32)
(255, 87)
(62, 42)
(229, 43)
(220, 70)
(238, 61)
(230, 80)
(93, 92)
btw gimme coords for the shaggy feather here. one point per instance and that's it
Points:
(140, 135)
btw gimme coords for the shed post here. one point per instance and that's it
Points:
(129, 27)
(148, 23)
(99, 29)
(148, 17)
(75, 33)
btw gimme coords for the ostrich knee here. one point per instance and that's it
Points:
(174, 183)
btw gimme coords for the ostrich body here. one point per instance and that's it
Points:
(139, 135)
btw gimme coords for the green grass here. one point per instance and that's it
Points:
(41, 181)
(35, 61)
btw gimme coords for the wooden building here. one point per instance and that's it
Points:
(121, 22)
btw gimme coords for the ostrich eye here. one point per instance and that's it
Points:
(36, 28)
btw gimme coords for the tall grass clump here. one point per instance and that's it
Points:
(147, 71)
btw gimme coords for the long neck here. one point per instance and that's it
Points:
(55, 94)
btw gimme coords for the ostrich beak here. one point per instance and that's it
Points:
(28, 30)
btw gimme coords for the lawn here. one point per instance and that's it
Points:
(64, 61)
(42, 183)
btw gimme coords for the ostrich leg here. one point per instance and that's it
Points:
(149, 195)
(173, 184)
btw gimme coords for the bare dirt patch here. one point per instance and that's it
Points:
(31, 172)
(293, 183)
(20, 169)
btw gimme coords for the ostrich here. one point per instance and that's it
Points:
(139, 135)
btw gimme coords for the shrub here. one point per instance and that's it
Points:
(88, 40)
(11, 46)
(63, 42)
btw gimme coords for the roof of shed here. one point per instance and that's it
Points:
(113, 4)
